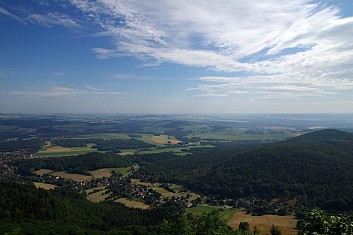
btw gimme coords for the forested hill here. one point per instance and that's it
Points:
(327, 135)
(316, 168)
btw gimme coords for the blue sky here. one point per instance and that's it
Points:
(176, 56)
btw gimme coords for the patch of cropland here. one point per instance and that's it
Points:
(79, 164)
(316, 172)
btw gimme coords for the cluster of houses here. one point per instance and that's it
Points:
(6, 169)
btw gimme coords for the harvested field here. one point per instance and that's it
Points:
(44, 186)
(101, 173)
(137, 181)
(42, 172)
(133, 204)
(98, 196)
(286, 224)
(56, 151)
(75, 177)
(100, 188)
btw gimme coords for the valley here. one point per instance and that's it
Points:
(264, 175)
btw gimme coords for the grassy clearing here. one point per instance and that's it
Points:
(286, 224)
(97, 174)
(107, 172)
(74, 177)
(101, 173)
(126, 152)
(199, 210)
(137, 181)
(44, 186)
(42, 172)
(133, 204)
(158, 139)
(98, 196)
(178, 150)
(58, 151)
(100, 188)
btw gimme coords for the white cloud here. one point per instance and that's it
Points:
(287, 47)
(54, 19)
(301, 40)
(271, 86)
(68, 92)
(9, 14)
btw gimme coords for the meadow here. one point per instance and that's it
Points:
(97, 174)
(287, 224)
(58, 151)
(132, 203)
(44, 185)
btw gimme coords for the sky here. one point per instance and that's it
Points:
(176, 56)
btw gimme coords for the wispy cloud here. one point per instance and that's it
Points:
(271, 86)
(289, 48)
(54, 19)
(67, 92)
(305, 42)
(10, 15)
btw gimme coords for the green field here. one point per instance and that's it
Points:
(177, 151)
(199, 210)
(62, 152)
(106, 136)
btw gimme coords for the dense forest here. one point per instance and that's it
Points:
(29, 145)
(104, 144)
(79, 164)
(27, 210)
(315, 168)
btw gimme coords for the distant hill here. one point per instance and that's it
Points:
(316, 167)
(177, 124)
(331, 135)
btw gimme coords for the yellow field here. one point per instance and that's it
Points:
(137, 181)
(133, 204)
(42, 172)
(44, 186)
(75, 177)
(158, 139)
(97, 174)
(127, 153)
(101, 173)
(264, 223)
(98, 196)
(164, 139)
(96, 188)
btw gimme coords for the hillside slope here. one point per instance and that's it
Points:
(316, 166)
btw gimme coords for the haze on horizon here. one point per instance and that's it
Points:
(176, 56)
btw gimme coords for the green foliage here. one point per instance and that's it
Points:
(79, 164)
(30, 145)
(104, 144)
(27, 210)
(320, 223)
(275, 230)
(207, 224)
(244, 226)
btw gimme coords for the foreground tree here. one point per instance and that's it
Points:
(206, 224)
(320, 223)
